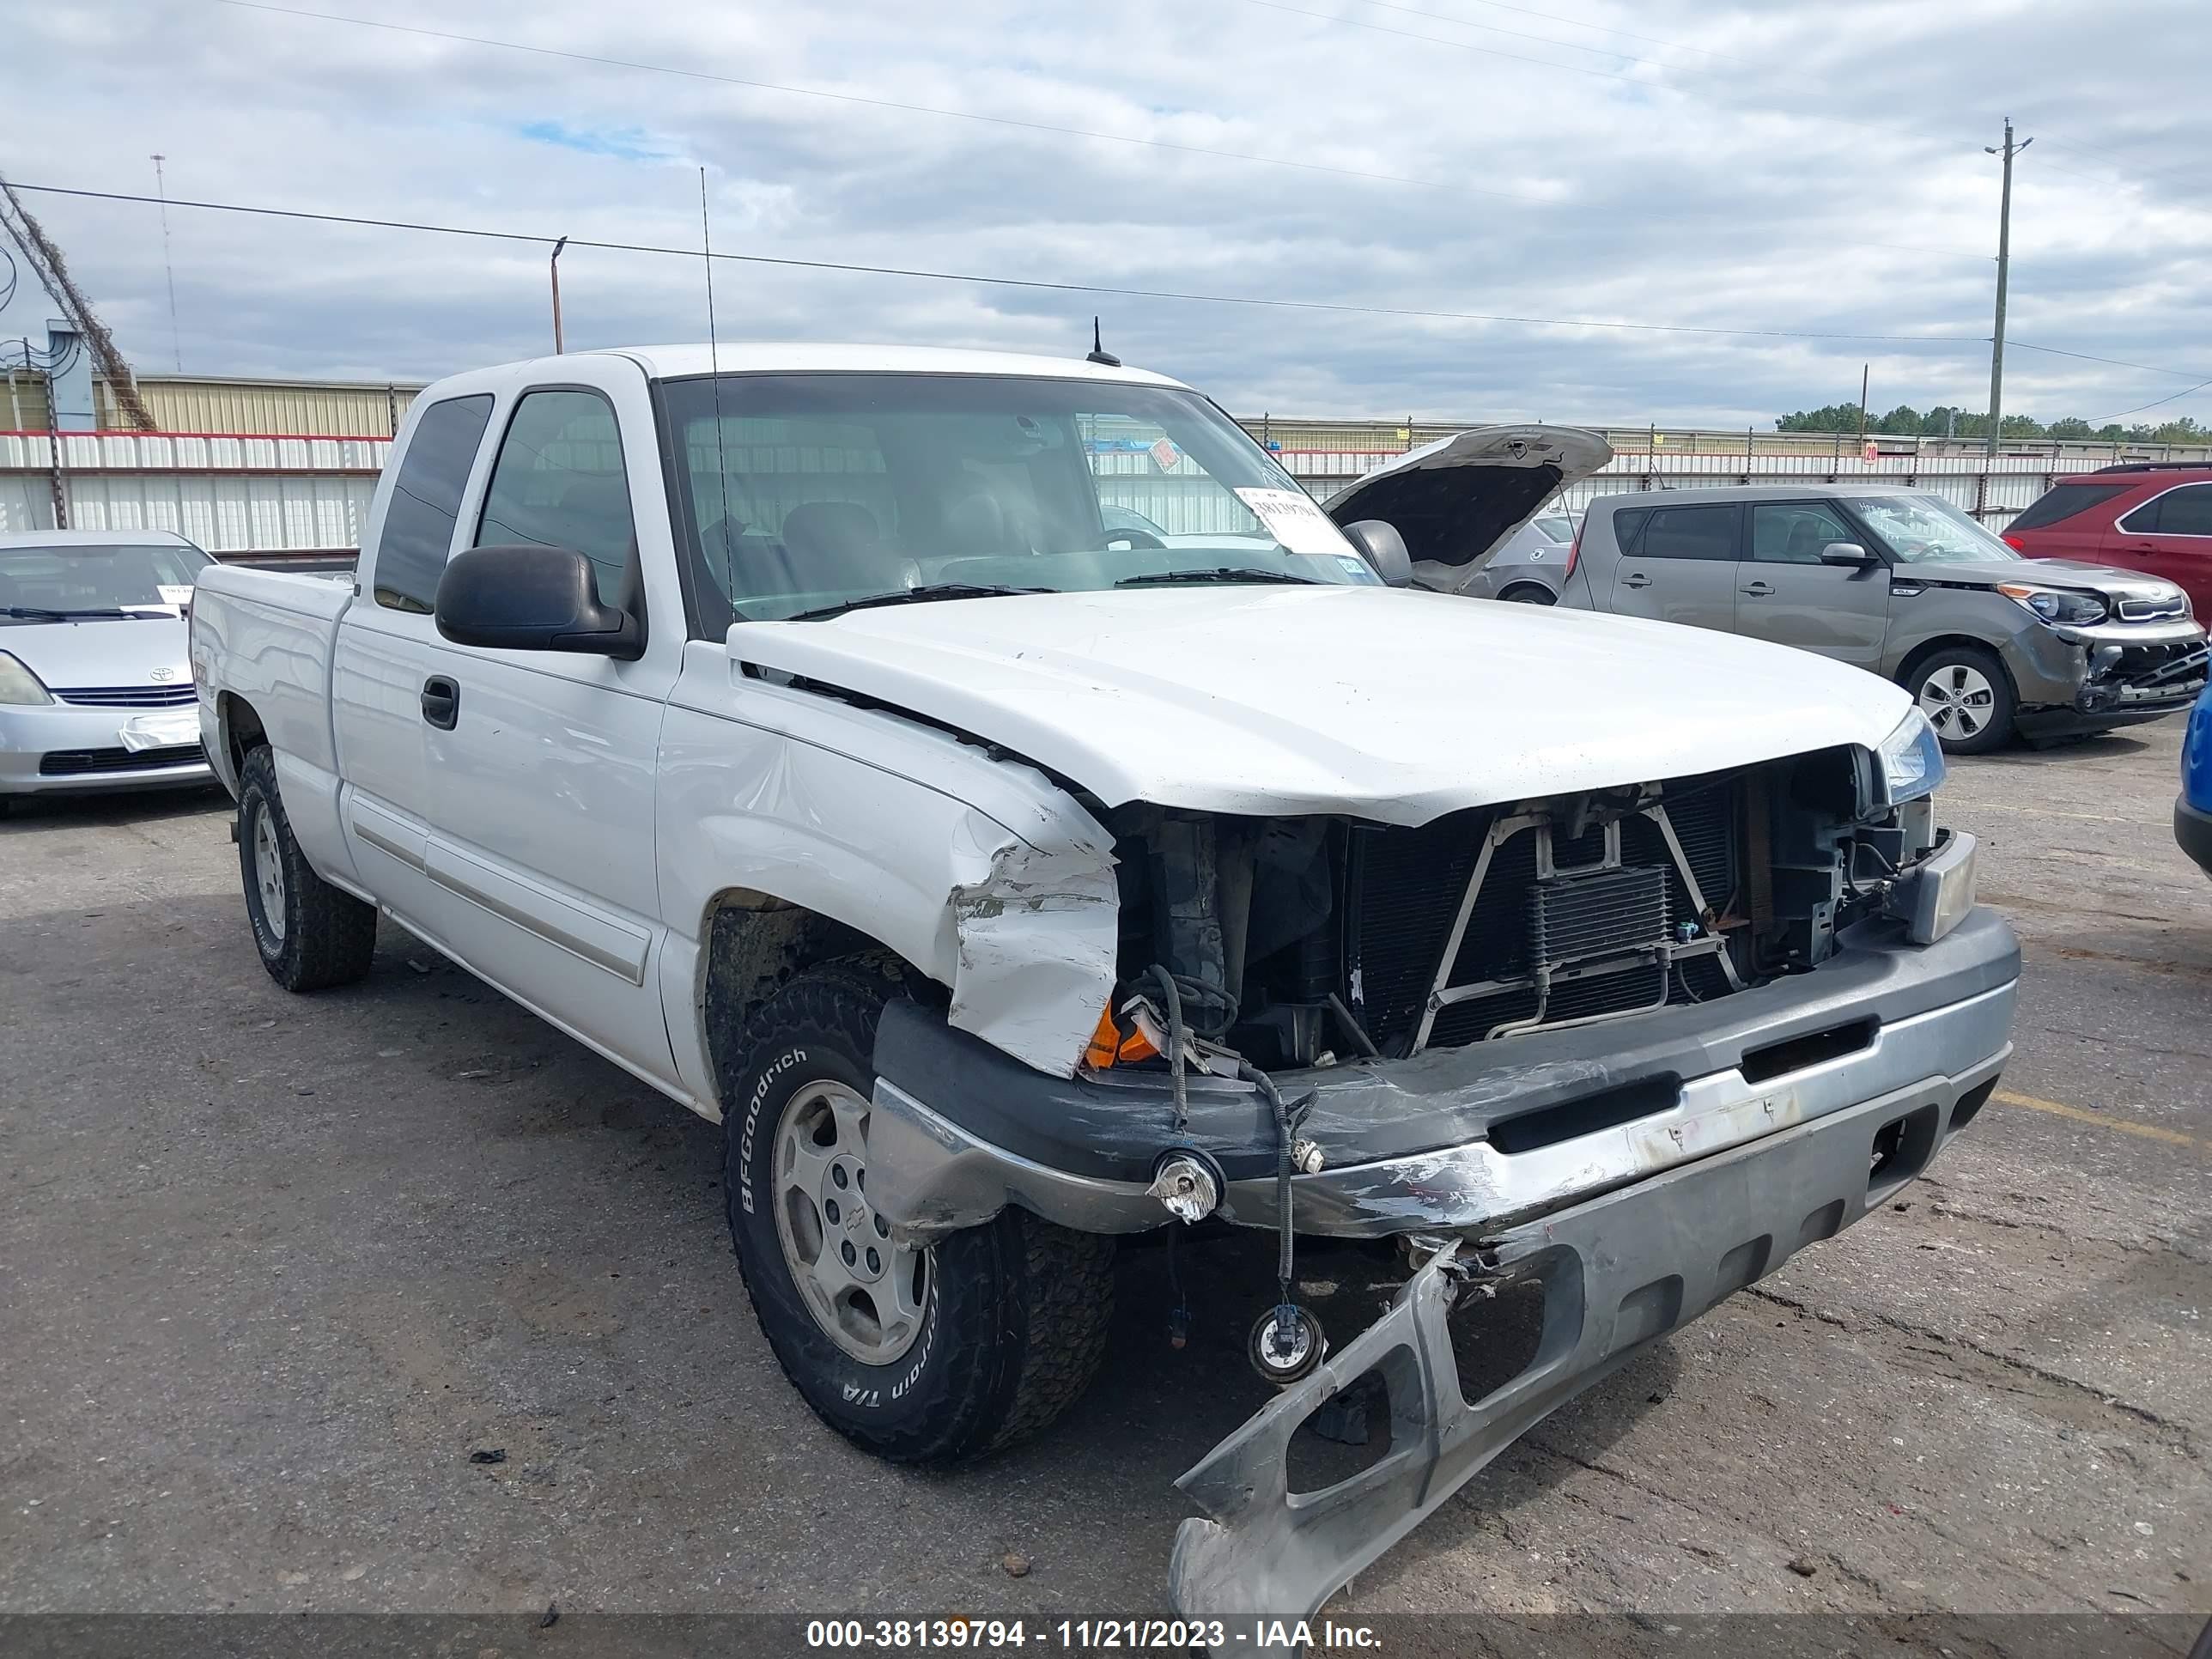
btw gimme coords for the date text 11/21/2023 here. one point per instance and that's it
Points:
(1091, 1635)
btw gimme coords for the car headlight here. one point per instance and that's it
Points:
(18, 684)
(1911, 760)
(2068, 605)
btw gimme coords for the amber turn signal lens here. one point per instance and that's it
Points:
(1109, 1045)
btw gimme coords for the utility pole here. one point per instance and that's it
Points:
(2004, 265)
(1865, 370)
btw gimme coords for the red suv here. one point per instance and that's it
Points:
(2151, 516)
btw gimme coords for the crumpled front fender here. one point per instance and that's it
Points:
(1034, 935)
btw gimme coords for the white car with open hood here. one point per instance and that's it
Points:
(991, 788)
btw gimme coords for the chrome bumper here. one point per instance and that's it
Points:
(928, 1177)
(1618, 1272)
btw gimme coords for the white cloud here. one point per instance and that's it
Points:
(1777, 168)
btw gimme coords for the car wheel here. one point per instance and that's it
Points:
(1967, 697)
(1528, 593)
(923, 1354)
(309, 934)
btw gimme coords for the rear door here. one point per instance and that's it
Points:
(542, 764)
(2169, 535)
(1785, 594)
(1679, 564)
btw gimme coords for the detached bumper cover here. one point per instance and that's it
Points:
(1618, 1271)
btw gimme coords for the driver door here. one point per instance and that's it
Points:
(1786, 594)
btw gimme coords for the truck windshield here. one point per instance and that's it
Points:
(41, 583)
(1926, 529)
(810, 494)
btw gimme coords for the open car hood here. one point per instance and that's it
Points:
(1457, 500)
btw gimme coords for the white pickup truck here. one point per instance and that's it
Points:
(816, 733)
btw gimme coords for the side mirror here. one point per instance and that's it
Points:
(1381, 546)
(533, 597)
(1847, 553)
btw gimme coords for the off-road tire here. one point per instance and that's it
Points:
(1016, 1310)
(326, 937)
(1998, 728)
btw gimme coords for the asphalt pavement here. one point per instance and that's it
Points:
(276, 1267)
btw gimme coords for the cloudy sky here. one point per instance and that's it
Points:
(1789, 170)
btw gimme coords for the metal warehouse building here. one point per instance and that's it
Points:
(271, 469)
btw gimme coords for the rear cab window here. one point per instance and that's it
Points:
(426, 502)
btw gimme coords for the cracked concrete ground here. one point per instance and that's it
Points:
(277, 1266)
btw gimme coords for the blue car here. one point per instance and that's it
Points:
(2193, 811)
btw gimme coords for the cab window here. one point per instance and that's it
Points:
(559, 481)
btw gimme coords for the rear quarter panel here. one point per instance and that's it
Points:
(264, 638)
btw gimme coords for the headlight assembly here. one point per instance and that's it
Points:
(1911, 760)
(2066, 605)
(18, 684)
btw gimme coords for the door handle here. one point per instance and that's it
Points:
(1636, 579)
(442, 702)
(1756, 589)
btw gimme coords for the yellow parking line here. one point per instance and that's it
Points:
(2102, 1120)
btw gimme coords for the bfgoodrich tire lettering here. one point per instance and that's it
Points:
(309, 934)
(1012, 1314)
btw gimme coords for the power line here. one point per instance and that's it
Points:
(2059, 352)
(923, 274)
(2158, 403)
(901, 107)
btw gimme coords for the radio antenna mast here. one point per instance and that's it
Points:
(714, 374)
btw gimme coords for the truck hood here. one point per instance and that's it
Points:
(1457, 500)
(1381, 704)
(2056, 573)
(105, 653)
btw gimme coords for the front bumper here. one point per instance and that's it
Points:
(1453, 1141)
(1618, 1272)
(62, 748)
(2075, 679)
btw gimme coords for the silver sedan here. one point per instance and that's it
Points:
(95, 685)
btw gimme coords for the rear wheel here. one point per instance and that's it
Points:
(309, 934)
(1529, 594)
(1967, 697)
(927, 1354)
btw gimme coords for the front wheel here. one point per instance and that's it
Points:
(929, 1354)
(308, 933)
(1967, 697)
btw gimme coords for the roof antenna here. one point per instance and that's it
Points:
(1098, 353)
(714, 377)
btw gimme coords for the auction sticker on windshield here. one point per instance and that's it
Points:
(1293, 519)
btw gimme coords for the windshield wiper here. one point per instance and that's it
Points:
(1226, 573)
(921, 595)
(35, 613)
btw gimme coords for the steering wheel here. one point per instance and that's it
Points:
(1135, 538)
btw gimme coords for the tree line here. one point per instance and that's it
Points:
(1943, 421)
